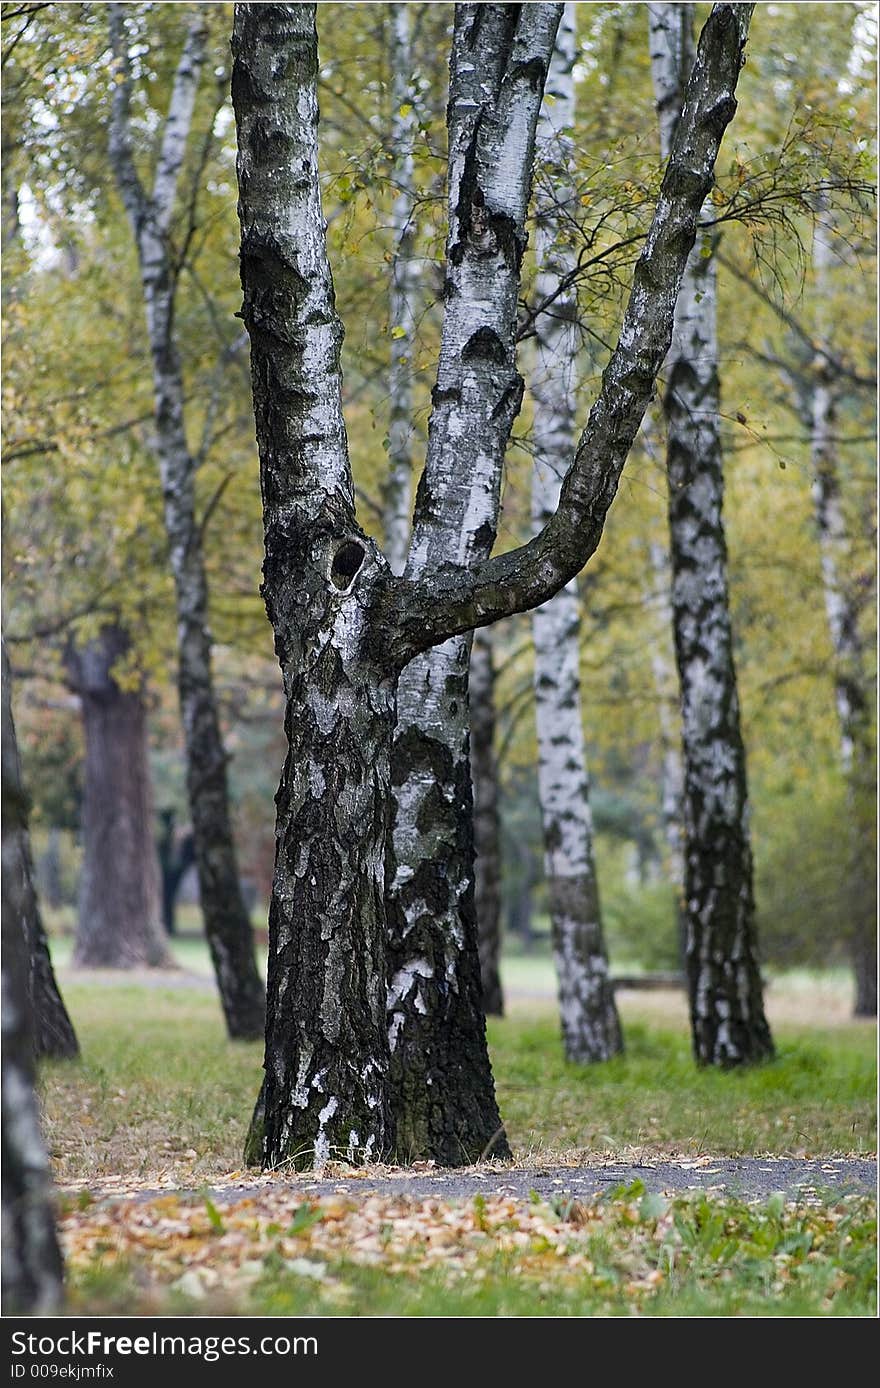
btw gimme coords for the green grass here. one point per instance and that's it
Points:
(816, 1097)
(162, 1097)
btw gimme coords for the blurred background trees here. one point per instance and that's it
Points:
(84, 537)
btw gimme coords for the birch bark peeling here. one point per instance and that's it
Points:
(325, 1090)
(227, 922)
(418, 614)
(725, 991)
(590, 1024)
(344, 624)
(444, 1094)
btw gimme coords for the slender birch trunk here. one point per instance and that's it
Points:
(53, 1034)
(227, 922)
(851, 685)
(119, 925)
(590, 1024)
(445, 1098)
(344, 625)
(32, 1267)
(404, 289)
(726, 997)
(487, 826)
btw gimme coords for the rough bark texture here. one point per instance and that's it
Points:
(404, 288)
(52, 1029)
(590, 1024)
(725, 991)
(326, 1072)
(227, 922)
(419, 614)
(445, 1102)
(487, 826)
(851, 683)
(119, 922)
(344, 625)
(32, 1268)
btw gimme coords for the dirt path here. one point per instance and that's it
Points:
(752, 1178)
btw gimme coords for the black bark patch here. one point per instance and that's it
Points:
(484, 343)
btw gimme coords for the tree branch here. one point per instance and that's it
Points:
(450, 600)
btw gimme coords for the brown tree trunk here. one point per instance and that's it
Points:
(119, 925)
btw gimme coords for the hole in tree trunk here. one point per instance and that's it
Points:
(346, 562)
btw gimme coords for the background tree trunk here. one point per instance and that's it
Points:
(444, 1092)
(487, 828)
(590, 1024)
(404, 287)
(725, 990)
(851, 684)
(32, 1268)
(52, 1029)
(227, 921)
(119, 924)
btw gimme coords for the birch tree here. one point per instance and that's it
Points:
(724, 982)
(345, 626)
(404, 288)
(442, 1082)
(227, 923)
(52, 1030)
(487, 824)
(32, 1268)
(851, 684)
(590, 1024)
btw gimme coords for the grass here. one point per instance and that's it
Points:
(161, 1098)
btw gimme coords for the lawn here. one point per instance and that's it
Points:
(161, 1099)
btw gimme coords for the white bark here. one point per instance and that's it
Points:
(404, 289)
(590, 1026)
(727, 1014)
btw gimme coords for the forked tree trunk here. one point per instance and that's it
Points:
(444, 1093)
(851, 684)
(725, 989)
(119, 924)
(487, 826)
(52, 1029)
(227, 921)
(344, 625)
(32, 1268)
(588, 1014)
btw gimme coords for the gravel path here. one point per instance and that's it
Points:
(751, 1178)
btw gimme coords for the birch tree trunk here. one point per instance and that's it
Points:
(445, 1100)
(590, 1024)
(487, 828)
(404, 288)
(227, 922)
(851, 684)
(119, 923)
(345, 626)
(53, 1034)
(32, 1268)
(726, 999)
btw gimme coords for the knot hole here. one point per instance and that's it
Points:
(346, 562)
